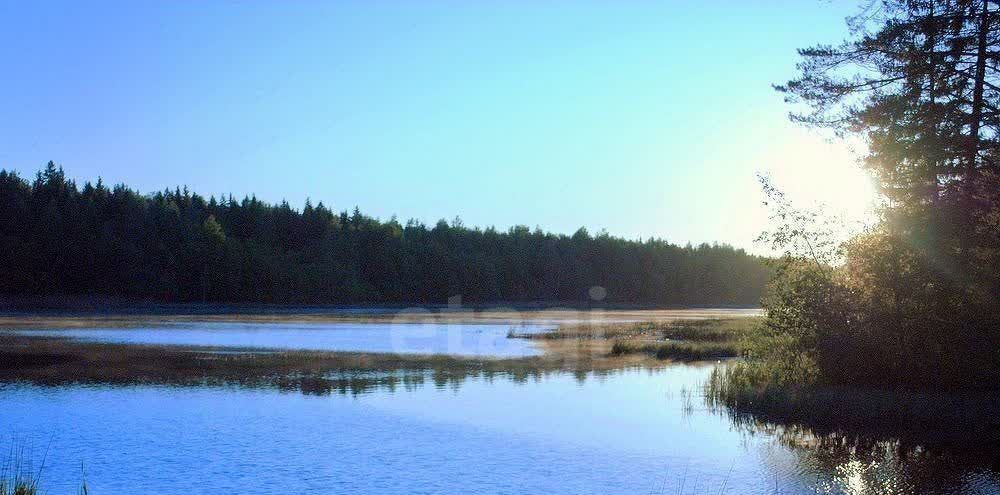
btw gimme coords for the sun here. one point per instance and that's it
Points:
(814, 171)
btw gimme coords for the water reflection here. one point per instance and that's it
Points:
(880, 467)
(148, 419)
(459, 339)
(359, 383)
(849, 461)
(63, 361)
(447, 431)
(398, 432)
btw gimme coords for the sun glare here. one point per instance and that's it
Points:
(814, 171)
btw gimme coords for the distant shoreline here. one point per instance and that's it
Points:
(403, 315)
(86, 306)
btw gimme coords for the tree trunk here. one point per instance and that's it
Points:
(932, 175)
(977, 95)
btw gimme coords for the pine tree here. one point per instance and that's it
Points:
(920, 80)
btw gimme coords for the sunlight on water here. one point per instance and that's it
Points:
(426, 430)
(626, 432)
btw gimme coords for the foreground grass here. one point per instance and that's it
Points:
(18, 487)
(17, 482)
(16, 475)
(17, 478)
(678, 340)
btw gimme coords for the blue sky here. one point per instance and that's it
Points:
(642, 118)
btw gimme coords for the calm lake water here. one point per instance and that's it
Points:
(630, 432)
(400, 338)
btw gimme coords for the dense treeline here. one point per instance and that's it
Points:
(176, 246)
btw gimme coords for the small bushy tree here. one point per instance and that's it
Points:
(915, 300)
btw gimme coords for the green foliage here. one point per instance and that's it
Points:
(905, 308)
(802, 305)
(914, 302)
(702, 330)
(918, 81)
(176, 246)
(677, 351)
(708, 330)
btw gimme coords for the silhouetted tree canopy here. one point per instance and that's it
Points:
(176, 246)
(916, 300)
(920, 81)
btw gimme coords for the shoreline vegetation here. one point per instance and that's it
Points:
(575, 348)
(894, 330)
(959, 420)
(675, 340)
(844, 416)
(601, 347)
(495, 314)
(582, 350)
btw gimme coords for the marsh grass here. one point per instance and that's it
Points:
(55, 361)
(679, 351)
(590, 351)
(682, 340)
(18, 485)
(17, 476)
(702, 330)
(84, 488)
(579, 349)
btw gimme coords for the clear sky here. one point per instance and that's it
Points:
(642, 118)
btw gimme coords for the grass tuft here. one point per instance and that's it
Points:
(694, 340)
(18, 486)
(16, 477)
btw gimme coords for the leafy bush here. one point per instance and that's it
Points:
(895, 313)
(912, 303)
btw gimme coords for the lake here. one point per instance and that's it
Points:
(626, 431)
(458, 339)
